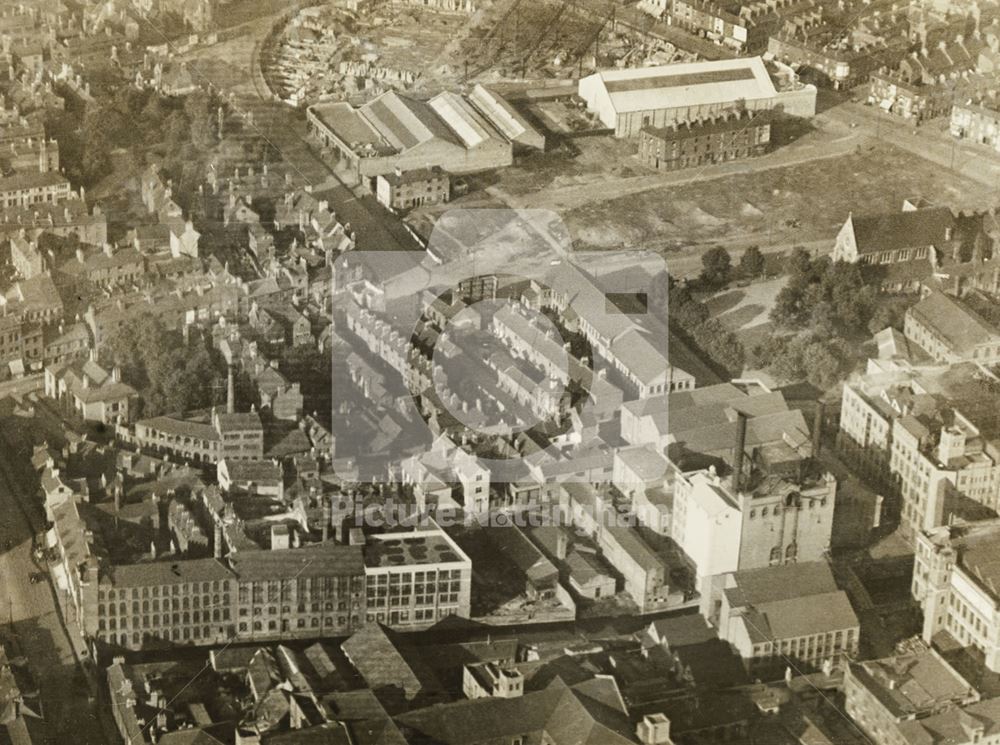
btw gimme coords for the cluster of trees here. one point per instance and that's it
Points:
(822, 316)
(168, 375)
(131, 119)
(313, 371)
(826, 310)
(717, 266)
(835, 299)
(691, 318)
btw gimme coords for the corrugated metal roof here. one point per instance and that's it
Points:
(687, 84)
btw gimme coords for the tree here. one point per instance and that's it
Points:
(819, 364)
(154, 360)
(788, 309)
(800, 264)
(177, 128)
(716, 265)
(752, 262)
(787, 365)
(722, 345)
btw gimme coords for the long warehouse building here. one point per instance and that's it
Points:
(628, 100)
(456, 133)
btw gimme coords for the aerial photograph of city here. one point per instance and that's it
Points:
(500, 372)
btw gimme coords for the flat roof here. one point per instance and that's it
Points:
(405, 549)
(321, 560)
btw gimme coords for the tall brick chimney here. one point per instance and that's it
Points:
(739, 447)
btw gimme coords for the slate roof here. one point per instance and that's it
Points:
(807, 615)
(909, 229)
(772, 584)
(958, 326)
(912, 684)
(374, 653)
(517, 547)
(567, 716)
(955, 725)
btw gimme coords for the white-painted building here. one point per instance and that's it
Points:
(630, 99)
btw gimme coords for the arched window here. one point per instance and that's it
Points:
(792, 552)
(776, 554)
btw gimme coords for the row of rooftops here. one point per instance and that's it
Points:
(914, 685)
(790, 601)
(721, 124)
(395, 123)
(397, 551)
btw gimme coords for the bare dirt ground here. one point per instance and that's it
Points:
(752, 199)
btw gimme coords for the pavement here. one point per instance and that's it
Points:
(52, 650)
(927, 141)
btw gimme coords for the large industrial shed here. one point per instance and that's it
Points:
(627, 100)
(395, 131)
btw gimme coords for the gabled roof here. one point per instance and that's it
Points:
(958, 326)
(567, 716)
(687, 84)
(374, 653)
(909, 229)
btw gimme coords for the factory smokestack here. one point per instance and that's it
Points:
(739, 447)
(817, 433)
(217, 541)
(230, 390)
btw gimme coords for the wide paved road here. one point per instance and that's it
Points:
(31, 609)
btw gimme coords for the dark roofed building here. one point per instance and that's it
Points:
(790, 611)
(559, 715)
(697, 143)
(908, 235)
(401, 190)
(540, 573)
(924, 246)
(397, 681)
(950, 331)
(881, 694)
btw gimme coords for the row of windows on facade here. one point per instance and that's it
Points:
(791, 553)
(176, 633)
(415, 600)
(419, 588)
(302, 584)
(708, 143)
(216, 614)
(776, 510)
(404, 616)
(891, 257)
(315, 602)
(809, 646)
(967, 614)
